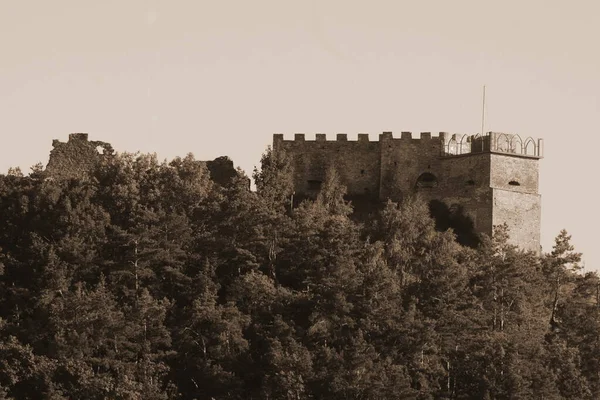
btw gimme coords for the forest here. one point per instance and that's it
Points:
(150, 281)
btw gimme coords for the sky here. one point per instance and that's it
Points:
(220, 77)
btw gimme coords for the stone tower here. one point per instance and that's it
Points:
(493, 177)
(77, 157)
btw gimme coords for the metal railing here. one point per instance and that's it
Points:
(492, 142)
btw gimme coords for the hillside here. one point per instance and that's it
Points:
(148, 280)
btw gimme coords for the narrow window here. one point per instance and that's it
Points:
(362, 171)
(514, 183)
(470, 182)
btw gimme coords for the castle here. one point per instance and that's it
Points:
(493, 177)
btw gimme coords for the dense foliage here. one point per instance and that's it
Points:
(149, 281)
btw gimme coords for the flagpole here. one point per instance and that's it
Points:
(483, 111)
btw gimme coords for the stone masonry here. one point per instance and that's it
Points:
(493, 177)
(79, 156)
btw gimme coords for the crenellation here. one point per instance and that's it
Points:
(425, 137)
(445, 137)
(483, 175)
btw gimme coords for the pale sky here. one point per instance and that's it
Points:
(220, 77)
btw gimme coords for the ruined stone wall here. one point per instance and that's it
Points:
(77, 157)
(357, 162)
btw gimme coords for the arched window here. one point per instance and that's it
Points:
(514, 183)
(427, 180)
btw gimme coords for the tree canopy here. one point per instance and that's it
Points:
(151, 281)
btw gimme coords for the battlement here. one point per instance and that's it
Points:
(361, 137)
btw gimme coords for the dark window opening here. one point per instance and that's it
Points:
(514, 183)
(314, 184)
(362, 171)
(427, 180)
(395, 163)
(471, 182)
(455, 217)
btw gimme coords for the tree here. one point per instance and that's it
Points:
(274, 181)
(560, 267)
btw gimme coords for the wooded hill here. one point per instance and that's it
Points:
(149, 281)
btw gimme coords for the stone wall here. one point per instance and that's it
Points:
(357, 162)
(516, 173)
(403, 160)
(465, 181)
(514, 180)
(522, 213)
(477, 174)
(77, 157)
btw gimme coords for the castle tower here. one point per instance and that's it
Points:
(495, 177)
(492, 178)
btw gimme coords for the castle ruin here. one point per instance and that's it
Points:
(78, 157)
(493, 177)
